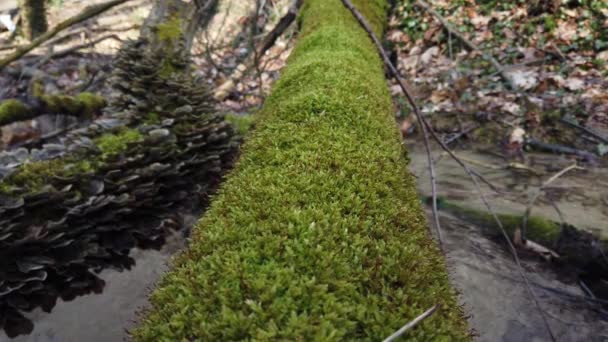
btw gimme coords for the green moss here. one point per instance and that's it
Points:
(84, 104)
(35, 175)
(166, 68)
(61, 104)
(540, 230)
(317, 234)
(550, 23)
(153, 118)
(12, 111)
(242, 123)
(170, 30)
(91, 103)
(112, 144)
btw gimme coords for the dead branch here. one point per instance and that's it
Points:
(224, 90)
(584, 129)
(85, 14)
(412, 324)
(280, 28)
(363, 22)
(554, 148)
(453, 31)
(537, 194)
(73, 49)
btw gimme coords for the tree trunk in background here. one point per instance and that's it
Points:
(33, 18)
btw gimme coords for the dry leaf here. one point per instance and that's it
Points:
(574, 83)
(426, 57)
(525, 79)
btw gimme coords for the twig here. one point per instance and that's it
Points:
(72, 49)
(224, 90)
(281, 26)
(411, 324)
(466, 42)
(559, 149)
(85, 14)
(415, 109)
(524, 220)
(585, 129)
(410, 98)
(462, 133)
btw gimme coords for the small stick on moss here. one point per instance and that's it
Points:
(86, 13)
(363, 22)
(524, 221)
(412, 324)
(414, 106)
(452, 31)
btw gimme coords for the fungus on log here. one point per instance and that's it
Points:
(75, 207)
(317, 234)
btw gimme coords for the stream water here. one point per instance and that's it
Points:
(490, 285)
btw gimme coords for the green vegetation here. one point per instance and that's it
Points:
(170, 30)
(241, 123)
(318, 233)
(33, 176)
(540, 230)
(11, 111)
(112, 144)
(82, 105)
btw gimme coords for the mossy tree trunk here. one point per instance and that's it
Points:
(33, 18)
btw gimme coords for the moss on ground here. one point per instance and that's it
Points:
(318, 233)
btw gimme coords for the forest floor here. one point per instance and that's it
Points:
(546, 109)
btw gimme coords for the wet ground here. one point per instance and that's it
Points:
(491, 287)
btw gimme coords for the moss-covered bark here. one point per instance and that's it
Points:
(33, 18)
(318, 233)
(575, 247)
(83, 105)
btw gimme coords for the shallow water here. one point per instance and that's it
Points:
(104, 317)
(491, 287)
(581, 196)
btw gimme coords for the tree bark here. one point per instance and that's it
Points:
(33, 18)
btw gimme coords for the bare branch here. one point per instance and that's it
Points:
(85, 14)
(412, 324)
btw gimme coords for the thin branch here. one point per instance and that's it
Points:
(72, 49)
(585, 129)
(395, 73)
(412, 324)
(499, 68)
(252, 63)
(524, 222)
(85, 14)
(281, 26)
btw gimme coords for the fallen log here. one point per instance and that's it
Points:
(317, 234)
(83, 105)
